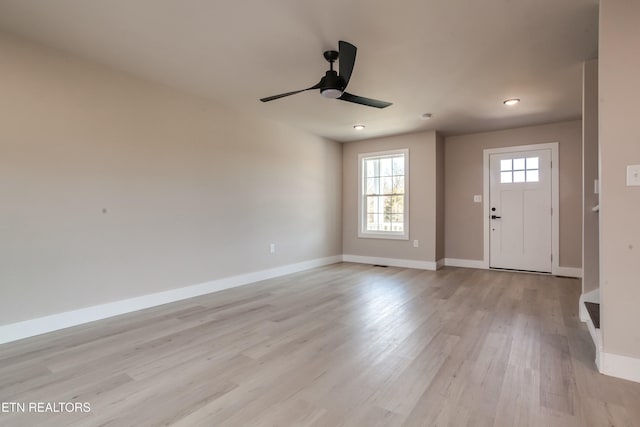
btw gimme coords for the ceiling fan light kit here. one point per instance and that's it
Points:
(333, 85)
(331, 93)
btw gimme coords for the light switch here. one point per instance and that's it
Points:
(477, 198)
(633, 175)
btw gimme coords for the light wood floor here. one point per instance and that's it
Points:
(346, 345)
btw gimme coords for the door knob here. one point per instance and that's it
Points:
(495, 217)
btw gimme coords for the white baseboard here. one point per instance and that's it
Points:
(624, 367)
(481, 264)
(440, 263)
(596, 337)
(391, 262)
(627, 368)
(41, 325)
(466, 263)
(596, 334)
(568, 272)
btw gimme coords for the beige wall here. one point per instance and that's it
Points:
(192, 192)
(464, 179)
(619, 139)
(590, 247)
(422, 202)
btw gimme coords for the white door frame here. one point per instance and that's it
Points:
(555, 199)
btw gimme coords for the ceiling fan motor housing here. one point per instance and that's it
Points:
(331, 85)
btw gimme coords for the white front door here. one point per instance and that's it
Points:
(520, 224)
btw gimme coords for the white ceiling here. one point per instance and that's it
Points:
(456, 59)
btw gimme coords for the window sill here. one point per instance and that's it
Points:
(383, 236)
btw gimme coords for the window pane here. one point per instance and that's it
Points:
(532, 163)
(532, 176)
(518, 176)
(398, 185)
(397, 224)
(387, 185)
(371, 168)
(387, 207)
(505, 165)
(518, 164)
(397, 204)
(398, 165)
(386, 167)
(373, 222)
(505, 177)
(379, 207)
(371, 204)
(373, 185)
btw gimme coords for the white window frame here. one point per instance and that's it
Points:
(362, 214)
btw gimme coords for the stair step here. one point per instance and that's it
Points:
(594, 312)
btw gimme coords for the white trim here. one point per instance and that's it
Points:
(555, 199)
(619, 366)
(466, 263)
(596, 337)
(568, 272)
(596, 334)
(362, 233)
(54, 322)
(482, 265)
(440, 263)
(391, 262)
(592, 296)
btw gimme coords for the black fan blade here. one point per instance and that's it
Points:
(364, 101)
(282, 95)
(346, 60)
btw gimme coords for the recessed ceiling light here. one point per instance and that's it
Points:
(358, 127)
(425, 116)
(512, 101)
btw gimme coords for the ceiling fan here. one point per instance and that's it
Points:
(333, 85)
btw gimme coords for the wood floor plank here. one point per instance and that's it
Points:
(342, 345)
(402, 394)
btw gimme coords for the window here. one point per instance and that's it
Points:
(383, 202)
(519, 170)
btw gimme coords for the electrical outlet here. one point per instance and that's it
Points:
(416, 243)
(633, 175)
(477, 198)
(272, 248)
